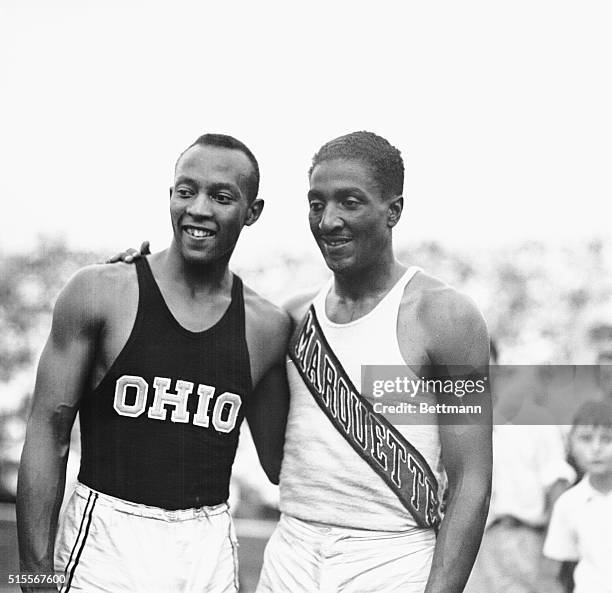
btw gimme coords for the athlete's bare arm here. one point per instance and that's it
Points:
(62, 371)
(267, 412)
(454, 332)
(268, 330)
(70, 358)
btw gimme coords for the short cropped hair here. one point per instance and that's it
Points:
(594, 413)
(383, 159)
(225, 141)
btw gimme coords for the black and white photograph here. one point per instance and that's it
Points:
(305, 297)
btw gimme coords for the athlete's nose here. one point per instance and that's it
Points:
(330, 219)
(200, 206)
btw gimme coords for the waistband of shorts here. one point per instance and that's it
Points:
(313, 529)
(142, 510)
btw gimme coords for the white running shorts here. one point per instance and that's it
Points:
(109, 545)
(303, 557)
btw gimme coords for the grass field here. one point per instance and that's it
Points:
(252, 537)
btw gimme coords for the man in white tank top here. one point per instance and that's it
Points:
(343, 528)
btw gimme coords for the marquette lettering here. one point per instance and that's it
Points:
(378, 442)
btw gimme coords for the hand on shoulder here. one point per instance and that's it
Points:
(130, 254)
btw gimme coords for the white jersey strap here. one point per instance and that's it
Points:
(371, 435)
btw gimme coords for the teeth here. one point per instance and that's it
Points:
(198, 233)
(336, 242)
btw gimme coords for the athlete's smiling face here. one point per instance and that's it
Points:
(349, 217)
(209, 202)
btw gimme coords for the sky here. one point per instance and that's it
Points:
(501, 111)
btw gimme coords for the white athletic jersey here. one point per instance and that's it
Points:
(322, 478)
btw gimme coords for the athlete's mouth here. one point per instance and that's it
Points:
(198, 232)
(336, 241)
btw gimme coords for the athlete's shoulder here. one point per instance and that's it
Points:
(297, 305)
(85, 298)
(92, 284)
(455, 327)
(101, 273)
(271, 320)
(438, 302)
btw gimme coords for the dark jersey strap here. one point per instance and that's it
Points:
(162, 427)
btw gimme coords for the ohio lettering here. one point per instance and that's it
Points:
(222, 416)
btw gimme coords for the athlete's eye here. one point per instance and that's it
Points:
(223, 198)
(351, 203)
(184, 192)
(316, 207)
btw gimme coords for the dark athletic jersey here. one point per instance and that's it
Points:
(162, 427)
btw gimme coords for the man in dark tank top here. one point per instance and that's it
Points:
(163, 360)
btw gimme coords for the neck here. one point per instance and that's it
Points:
(601, 482)
(370, 281)
(208, 277)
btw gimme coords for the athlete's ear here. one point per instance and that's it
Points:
(171, 191)
(254, 211)
(394, 210)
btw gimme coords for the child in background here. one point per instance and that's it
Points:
(580, 531)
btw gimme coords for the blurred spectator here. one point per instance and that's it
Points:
(12, 435)
(604, 374)
(580, 533)
(599, 328)
(602, 392)
(529, 473)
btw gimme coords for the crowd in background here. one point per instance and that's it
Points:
(539, 314)
(535, 540)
